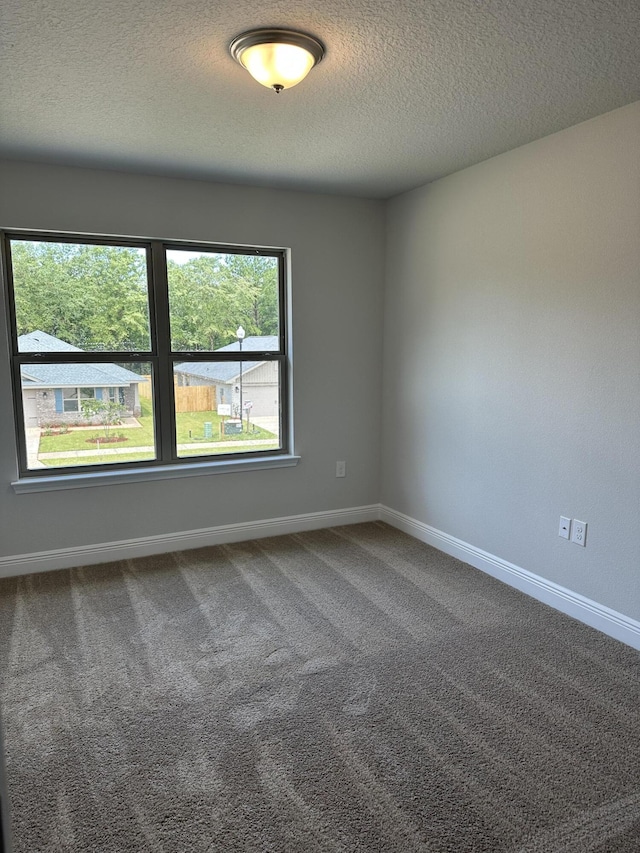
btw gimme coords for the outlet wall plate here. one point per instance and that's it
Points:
(579, 532)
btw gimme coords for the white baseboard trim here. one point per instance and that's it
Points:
(598, 616)
(610, 622)
(85, 555)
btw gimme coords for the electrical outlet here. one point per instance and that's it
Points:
(341, 469)
(565, 527)
(579, 532)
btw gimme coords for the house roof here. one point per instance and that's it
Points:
(74, 375)
(42, 342)
(229, 371)
(68, 375)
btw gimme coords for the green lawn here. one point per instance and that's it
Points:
(190, 430)
(190, 427)
(77, 439)
(63, 462)
(108, 459)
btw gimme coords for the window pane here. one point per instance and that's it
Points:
(212, 294)
(62, 429)
(69, 399)
(74, 296)
(209, 397)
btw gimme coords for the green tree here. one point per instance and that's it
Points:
(109, 414)
(210, 296)
(94, 297)
(257, 276)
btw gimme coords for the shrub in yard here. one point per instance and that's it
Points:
(108, 414)
(54, 428)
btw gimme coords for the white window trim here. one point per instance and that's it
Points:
(161, 472)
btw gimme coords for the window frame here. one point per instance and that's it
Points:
(161, 359)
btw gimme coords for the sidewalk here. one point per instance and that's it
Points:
(32, 436)
(116, 451)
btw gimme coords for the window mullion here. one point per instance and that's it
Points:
(163, 379)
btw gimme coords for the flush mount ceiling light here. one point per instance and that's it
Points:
(279, 59)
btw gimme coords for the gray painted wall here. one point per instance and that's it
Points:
(338, 266)
(511, 354)
(512, 350)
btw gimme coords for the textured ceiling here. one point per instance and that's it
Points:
(408, 91)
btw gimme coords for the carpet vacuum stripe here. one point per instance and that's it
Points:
(343, 690)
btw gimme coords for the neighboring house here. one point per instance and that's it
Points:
(54, 392)
(259, 378)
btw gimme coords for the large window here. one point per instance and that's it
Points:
(131, 353)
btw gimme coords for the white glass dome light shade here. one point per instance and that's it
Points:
(277, 64)
(278, 59)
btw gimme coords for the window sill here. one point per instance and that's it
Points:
(140, 475)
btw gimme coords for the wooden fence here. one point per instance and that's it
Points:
(192, 398)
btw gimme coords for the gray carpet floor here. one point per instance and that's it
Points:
(340, 690)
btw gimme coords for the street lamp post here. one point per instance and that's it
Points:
(240, 333)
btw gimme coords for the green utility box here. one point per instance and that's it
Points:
(232, 427)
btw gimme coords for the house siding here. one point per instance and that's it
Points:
(49, 405)
(260, 385)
